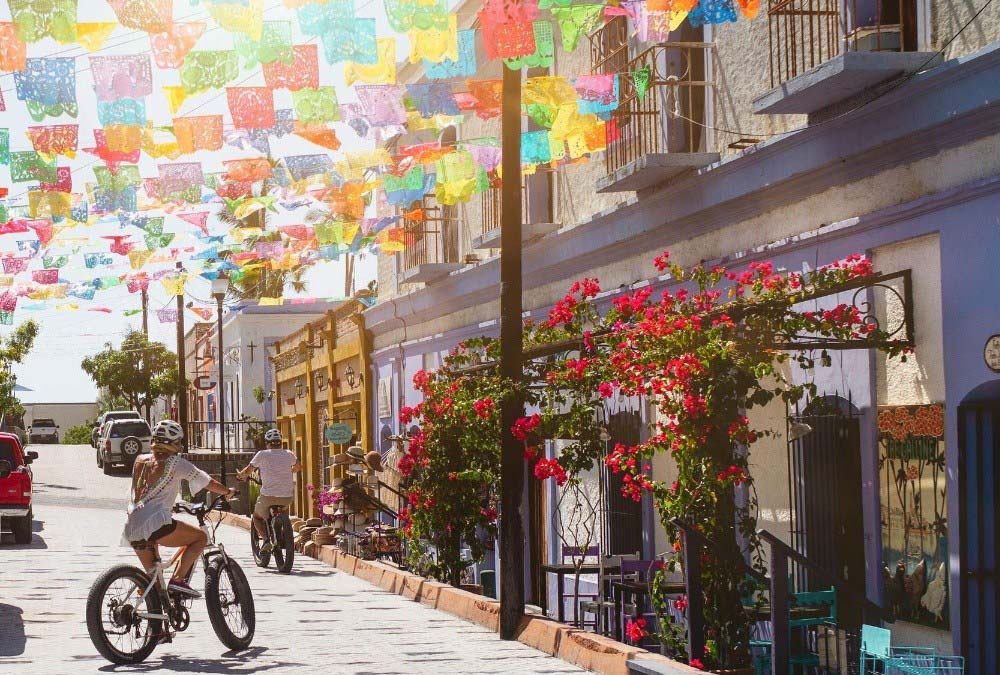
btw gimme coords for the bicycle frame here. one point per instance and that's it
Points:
(158, 581)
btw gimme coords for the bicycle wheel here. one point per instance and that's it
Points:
(284, 543)
(119, 633)
(230, 603)
(262, 559)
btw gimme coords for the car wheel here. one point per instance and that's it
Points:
(131, 446)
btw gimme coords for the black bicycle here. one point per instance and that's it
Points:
(280, 535)
(130, 611)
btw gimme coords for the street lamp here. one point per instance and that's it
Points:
(220, 286)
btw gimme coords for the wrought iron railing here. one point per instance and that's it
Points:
(431, 238)
(805, 33)
(670, 115)
(241, 435)
(609, 47)
(491, 202)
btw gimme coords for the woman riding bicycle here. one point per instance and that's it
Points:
(156, 482)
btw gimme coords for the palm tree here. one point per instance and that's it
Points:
(261, 282)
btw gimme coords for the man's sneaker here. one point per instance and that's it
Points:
(182, 587)
(266, 548)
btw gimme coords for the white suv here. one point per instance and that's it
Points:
(110, 415)
(121, 441)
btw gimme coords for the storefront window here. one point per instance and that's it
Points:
(914, 512)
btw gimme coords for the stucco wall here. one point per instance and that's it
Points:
(921, 378)
(950, 16)
(739, 74)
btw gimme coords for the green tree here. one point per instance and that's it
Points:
(140, 371)
(13, 350)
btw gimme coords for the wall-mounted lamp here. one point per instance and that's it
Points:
(321, 382)
(270, 395)
(353, 379)
(300, 389)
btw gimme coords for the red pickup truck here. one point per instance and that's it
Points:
(15, 488)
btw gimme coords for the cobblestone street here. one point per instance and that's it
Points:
(316, 620)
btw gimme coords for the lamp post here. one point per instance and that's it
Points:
(220, 286)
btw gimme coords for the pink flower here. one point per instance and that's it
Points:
(551, 468)
(605, 389)
(696, 663)
(662, 261)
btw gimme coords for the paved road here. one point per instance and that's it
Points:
(317, 620)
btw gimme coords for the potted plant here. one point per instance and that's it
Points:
(254, 431)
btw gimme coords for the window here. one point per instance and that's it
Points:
(129, 428)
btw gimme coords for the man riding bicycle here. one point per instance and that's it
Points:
(277, 466)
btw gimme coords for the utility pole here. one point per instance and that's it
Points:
(182, 398)
(145, 311)
(511, 358)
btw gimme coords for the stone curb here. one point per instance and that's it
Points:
(581, 648)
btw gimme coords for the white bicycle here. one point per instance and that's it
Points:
(130, 611)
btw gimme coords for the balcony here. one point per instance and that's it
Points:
(661, 134)
(531, 228)
(432, 249)
(827, 51)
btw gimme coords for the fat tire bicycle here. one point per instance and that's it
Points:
(130, 611)
(280, 534)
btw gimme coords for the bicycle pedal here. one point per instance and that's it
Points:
(164, 638)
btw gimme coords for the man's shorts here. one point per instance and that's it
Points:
(265, 503)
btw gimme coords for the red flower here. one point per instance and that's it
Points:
(551, 468)
(489, 514)
(696, 663)
(636, 630)
(525, 425)
(421, 380)
(484, 407)
(530, 453)
(605, 389)
(662, 261)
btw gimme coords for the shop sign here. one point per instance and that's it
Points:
(384, 397)
(203, 383)
(339, 433)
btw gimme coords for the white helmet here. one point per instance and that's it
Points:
(168, 431)
(272, 436)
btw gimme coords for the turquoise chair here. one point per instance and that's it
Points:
(825, 599)
(878, 656)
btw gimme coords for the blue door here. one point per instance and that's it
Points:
(979, 496)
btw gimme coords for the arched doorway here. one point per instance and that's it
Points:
(979, 539)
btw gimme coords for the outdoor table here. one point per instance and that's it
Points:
(561, 570)
(620, 588)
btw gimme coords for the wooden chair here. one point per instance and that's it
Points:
(603, 607)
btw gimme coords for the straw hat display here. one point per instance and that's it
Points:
(323, 535)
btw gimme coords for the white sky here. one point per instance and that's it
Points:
(53, 369)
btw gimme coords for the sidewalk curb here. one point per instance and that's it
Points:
(581, 648)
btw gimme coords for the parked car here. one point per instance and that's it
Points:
(110, 415)
(15, 488)
(121, 442)
(43, 430)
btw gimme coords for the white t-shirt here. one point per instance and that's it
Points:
(276, 477)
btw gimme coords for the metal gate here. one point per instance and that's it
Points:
(824, 487)
(979, 539)
(623, 524)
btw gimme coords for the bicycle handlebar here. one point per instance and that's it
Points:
(199, 510)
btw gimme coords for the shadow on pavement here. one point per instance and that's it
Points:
(12, 638)
(303, 573)
(6, 543)
(56, 487)
(231, 662)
